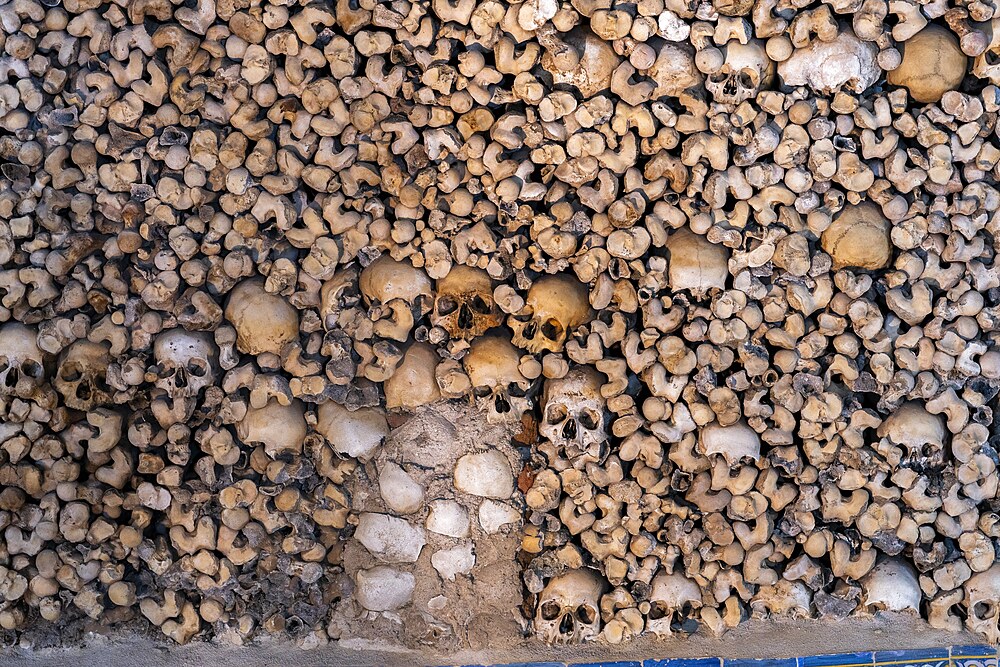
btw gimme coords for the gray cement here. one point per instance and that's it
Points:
(757, 639)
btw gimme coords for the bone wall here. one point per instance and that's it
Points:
(718, 278)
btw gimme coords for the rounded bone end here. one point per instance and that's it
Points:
(859, 238)
(264, 322)
(891, 586)
(933, 64)
(280, 428)
(413, 384)
(696, 264)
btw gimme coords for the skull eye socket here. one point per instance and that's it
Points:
(657, 610)
(984, 610)
(481, 392)
(446, 305)
(101, 383)
(70, 373)
(480, 305)
(550, 610)
(31, 368)
(516, 390)
(551, 329)
(555, 414)
(590, 420)
(745, 78)
(586, 614)
(197, 370)
(685, 612)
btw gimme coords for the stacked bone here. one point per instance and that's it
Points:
(740, 254)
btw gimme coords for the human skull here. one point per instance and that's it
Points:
(933, 64)
(987, 64)
(492, 366)
(674, 70)
(187, 362)
(386, 279)
(858, 237)
(785, 598)
(593, 72)
(573, 414)
(280, 428)
(568, 609)
(674, 598)
(982, 600)
(696, 264)
(736, 443)
(747, 70)
(22, 362)
(264, 322)
(82, 375)
(395, 293)
(918, 432)
(464, 306)
(555, 306)
(845, 62)
(891, 586)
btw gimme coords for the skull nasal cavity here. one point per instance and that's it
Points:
(566, 624)
(465, 320)
(569, 430)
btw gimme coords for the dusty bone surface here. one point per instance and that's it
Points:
(718, 281)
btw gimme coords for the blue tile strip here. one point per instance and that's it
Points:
(684, 662)
(930, 657)
(862, 659)
(955, 656)
(973, 656)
